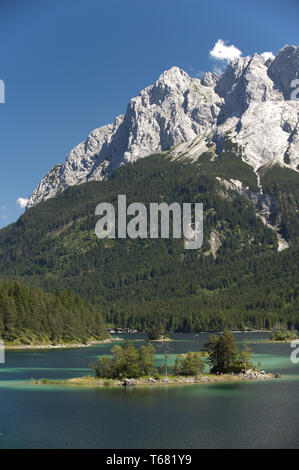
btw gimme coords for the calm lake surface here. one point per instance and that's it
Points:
(233, 415)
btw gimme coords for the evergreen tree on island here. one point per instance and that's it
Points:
(224, 356)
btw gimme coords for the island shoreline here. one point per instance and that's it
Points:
(205, 379)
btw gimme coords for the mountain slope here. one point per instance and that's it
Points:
(140, 282)
(250, 100)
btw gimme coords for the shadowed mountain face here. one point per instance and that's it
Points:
(250, 102)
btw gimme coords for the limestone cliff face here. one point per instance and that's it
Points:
(251, 100)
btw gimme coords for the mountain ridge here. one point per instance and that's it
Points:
(250, 101)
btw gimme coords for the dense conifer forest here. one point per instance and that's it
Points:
(244, 283)
(29, 315)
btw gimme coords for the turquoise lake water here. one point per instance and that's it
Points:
(233, 415)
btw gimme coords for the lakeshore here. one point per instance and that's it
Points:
(10, 347)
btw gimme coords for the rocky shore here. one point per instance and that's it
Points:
(209, 378)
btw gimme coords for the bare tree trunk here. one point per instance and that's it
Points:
(165, 360)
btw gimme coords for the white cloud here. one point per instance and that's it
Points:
(221, 51)
(3, 208)
(268, 55)
(219, 68)
(22, 201)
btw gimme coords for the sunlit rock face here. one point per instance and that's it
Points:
(181, 115)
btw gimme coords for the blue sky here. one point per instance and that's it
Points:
(72, 65)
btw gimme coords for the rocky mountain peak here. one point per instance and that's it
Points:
(251, 100)
(210, 79)
(174, 77)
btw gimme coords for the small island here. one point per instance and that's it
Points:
(280, 333)
(131, 366)
(157, 333)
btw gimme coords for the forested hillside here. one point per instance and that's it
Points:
(29, 315)
(239, 282)
(283, 183)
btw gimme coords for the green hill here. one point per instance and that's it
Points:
(243, 283)
(28, 315)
